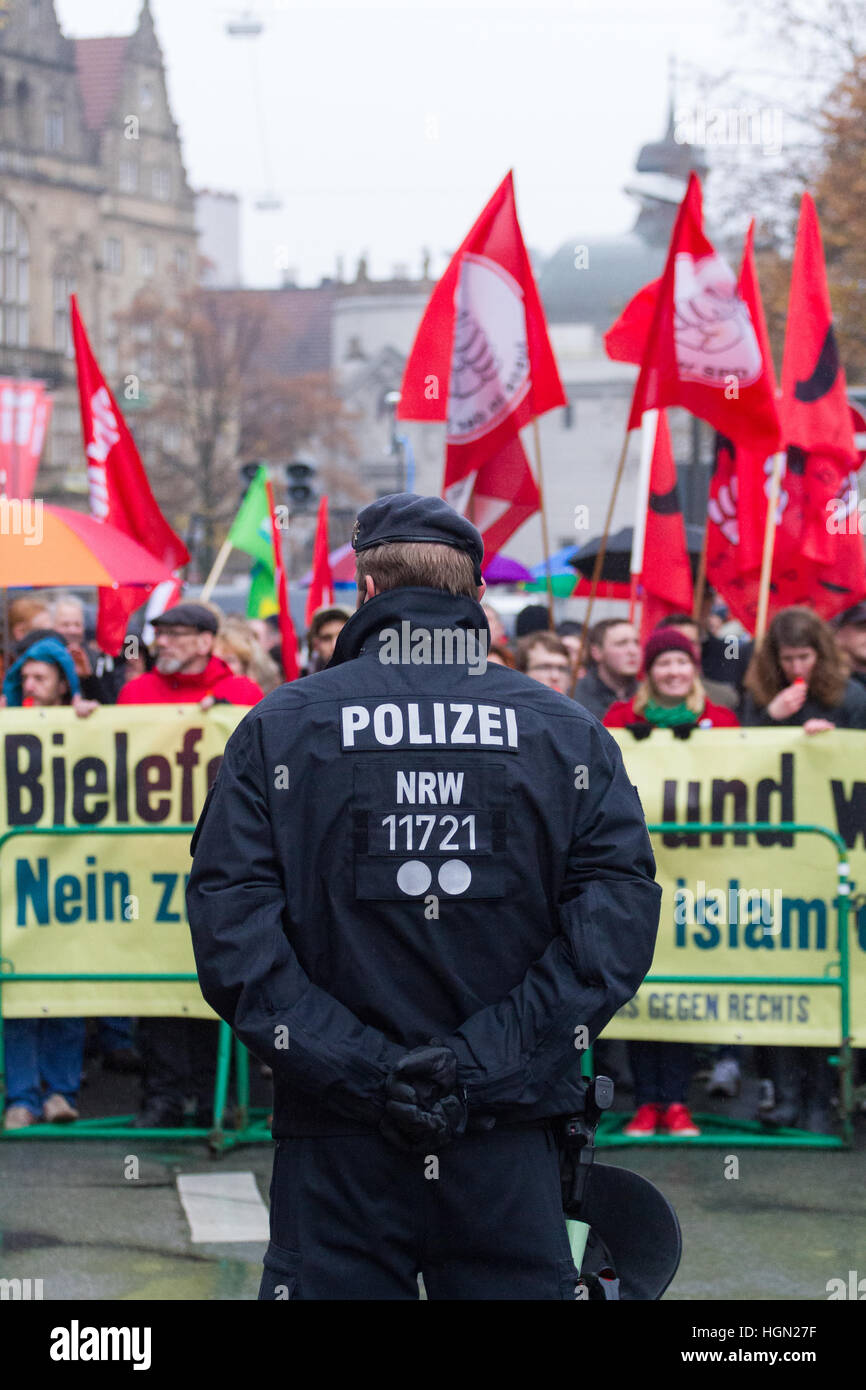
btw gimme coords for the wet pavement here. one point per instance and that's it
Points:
(74, 1214)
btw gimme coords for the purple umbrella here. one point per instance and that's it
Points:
(500, 570)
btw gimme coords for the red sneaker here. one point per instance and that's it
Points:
(677, 1120)
(645, 1121)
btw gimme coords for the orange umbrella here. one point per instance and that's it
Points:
(42, 545)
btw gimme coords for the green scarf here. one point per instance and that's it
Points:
(668, 716)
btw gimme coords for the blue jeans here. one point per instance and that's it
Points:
(43, 1051)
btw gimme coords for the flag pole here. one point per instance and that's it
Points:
(701, 581)
(649, 430)
(599, 559)
(217, 568)
(544, 536)
(769, 546)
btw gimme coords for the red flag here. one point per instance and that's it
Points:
(321, 588)
(754, 469)
(796, 577)
(25, 410)
(732, 569)
(822, 457)
(818, 553)
(815, 411)
(119, 490)
(667, 571)
(626, 340)
(740, 486)
(504, 495)
(288, 636)
(484, 334)
(702, 351)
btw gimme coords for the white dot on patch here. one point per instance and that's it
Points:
(454, 876)
(414, 877)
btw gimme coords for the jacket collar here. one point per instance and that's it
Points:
(215, 670)
(423, 608)
(602, 688)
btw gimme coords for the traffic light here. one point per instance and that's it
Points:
(301, 475)
(248, 472)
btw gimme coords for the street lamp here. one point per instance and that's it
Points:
(400, 446)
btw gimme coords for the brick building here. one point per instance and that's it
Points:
(94, 199)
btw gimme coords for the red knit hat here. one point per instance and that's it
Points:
(668, 639)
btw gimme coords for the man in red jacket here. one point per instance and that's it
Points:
(179, 1054)
(186, 668)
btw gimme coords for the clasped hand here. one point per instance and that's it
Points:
(424, 1106)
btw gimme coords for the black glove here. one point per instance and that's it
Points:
(424, 1106)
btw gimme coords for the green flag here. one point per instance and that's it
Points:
(263, 595)
(251, 529)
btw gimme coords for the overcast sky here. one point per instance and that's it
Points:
(385, 130)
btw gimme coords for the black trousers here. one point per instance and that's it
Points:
(662, 1071)
(354, 1218)
(179, 1059)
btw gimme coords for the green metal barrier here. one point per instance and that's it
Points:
(250, 1126)
(717, 1129)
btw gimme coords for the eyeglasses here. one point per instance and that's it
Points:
(549, 668)
(177, 631)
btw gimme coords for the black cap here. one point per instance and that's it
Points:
(533, 618)
(188, 615)
(404, 516)
(37, 634)
(851, 616)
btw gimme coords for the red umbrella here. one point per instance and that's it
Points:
(47, 545)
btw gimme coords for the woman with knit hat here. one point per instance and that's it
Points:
(671, 694)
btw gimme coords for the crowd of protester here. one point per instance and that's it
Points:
(693, 675)
(688, 676)
(197, 655)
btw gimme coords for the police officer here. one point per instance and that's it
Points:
(420, 886)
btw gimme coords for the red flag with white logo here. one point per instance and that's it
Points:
(702, 349)
(740, 485)
(818, 557)
(482, 361)
(754, 465)
(667, 571)
(797, 578)
(119, 490)
(25, 410)
(321, 588)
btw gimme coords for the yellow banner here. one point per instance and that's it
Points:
(760, 906)
(106, 895)
(107, 898)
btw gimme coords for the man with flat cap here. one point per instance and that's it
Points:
(421, 885)
(186, 669)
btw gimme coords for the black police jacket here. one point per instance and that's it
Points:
(396, 850)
